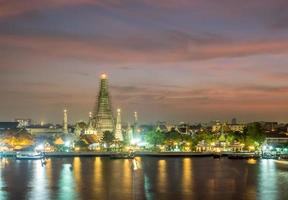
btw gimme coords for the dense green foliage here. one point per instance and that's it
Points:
(108, 138)
(154, 138)
(253, 135)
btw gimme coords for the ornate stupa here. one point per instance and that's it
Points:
(102, 119)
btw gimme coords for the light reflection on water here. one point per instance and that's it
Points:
(268, 180)
(162, 175)
(77, 173)
(3, 163)
(98, 181)
(159, 178)
(187, 178)
(66, 184)
(38, 182)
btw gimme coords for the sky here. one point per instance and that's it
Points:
(184, 60)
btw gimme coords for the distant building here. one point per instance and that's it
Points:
(223, 127)
(4, 126)
(183, 128)
(163, 127)
(23, 122)
(269, 126)
(275, 139)
(44, 130)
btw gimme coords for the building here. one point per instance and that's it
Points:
(224, 127)
(102, 119)
(5, 126)
(22, 122)
(45, 130)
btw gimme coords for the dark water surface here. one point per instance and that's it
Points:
(158, 178)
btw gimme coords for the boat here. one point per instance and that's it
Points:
(29, 155)
(122, 156)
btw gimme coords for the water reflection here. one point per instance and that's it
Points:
(164, 178)
(127, 177)
(38, 183)
(48, 170)
(67, 184)
(252, 161)
(98, 179)
(267, 180)
(77, 172)
(187, 174)
(162, 175)
(3, 194)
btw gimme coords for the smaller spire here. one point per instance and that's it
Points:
(135, 117)
(65, 121)
(118, 130)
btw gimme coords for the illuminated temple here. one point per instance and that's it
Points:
(102, 118)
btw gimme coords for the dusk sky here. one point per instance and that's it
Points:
(173, 60)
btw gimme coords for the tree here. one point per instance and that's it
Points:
(154, 138)
(254, 135)
(108, 138)
(172, 138)
(187, 141)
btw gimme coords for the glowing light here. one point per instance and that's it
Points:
(251, 148)
(40, 147)
(77, 148)
(135, 141)
(67, 143)
(270, 147)
(103, 76)
(142, 144)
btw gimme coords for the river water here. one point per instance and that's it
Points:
(158, 178)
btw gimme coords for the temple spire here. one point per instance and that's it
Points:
(118, 128)
(65, 121)
(103, 116)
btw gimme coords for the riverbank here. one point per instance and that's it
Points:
(140, 154)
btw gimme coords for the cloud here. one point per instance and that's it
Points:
(140, 49)
(10, 8)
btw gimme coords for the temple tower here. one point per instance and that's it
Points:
(65, 122)
(135, 125)
(135, 118)
(118, 127)
(90, 118)
(102, 116)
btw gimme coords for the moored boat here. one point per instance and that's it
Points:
(29, 155)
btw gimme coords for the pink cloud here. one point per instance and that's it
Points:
(14, 7)
(138, 50)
